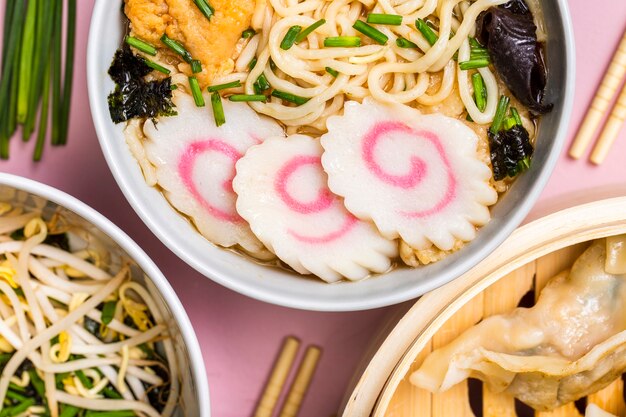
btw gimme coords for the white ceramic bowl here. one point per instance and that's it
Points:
(194, 385)
(289, 289)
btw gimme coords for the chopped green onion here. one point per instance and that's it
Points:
(173, 87)
(69, 411)
(15, 396)
(177, 47)
(405, 43)
(332, 72)
(218, 109)
(156, 66)
(342, 42)
(261, 83)
(426, 31)
(247, 97)
(205, 8)
(108, 312)
(474, 44)
(480, 92)
(469, 118)
(196, 66)
(252, 63)
(111, 393)
(371, 32)
(225, 86)
(306, 32)
(474, 64)
(248, 33)
(143, 46)
(196, 92)
(83, 379)
(292, 98)
(384, 19)
(516, 116)
(503, 103)
(524, 164)
(18, 409)
(509, 123)
(290, 37)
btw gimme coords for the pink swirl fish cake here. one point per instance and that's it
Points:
(195, 165)
(415, 176)
(283, 194)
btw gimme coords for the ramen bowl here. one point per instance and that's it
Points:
(287, 288)
(85, 225)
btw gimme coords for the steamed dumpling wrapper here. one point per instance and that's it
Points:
(570, 344)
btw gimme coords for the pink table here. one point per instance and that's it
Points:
(240, 336)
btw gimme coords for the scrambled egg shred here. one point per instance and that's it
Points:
(212, 42)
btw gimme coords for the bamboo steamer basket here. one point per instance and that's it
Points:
(518, 269)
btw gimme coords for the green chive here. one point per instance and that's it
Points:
(474, 64)
(177, 47)
(306, 32)
(196, 92)
(371, 32)
(332, 72)
(57, 70)
(474, 44)
(509, 123)
(247, 97)
(290, 37)
(342, 42)
(43, 117)
(426, 31)
(384, 19)
(18, 409)
(196, 66)
(69, 411)
(108, 312)
(173, 87)
(292, 98)
(156, 66)
(252, 63)
(70, 46)
(405, 43)
(248, 33)
(516, 116)
(111, 393)
(26, 60)
(503, 103)
(480, 92)
(205, 8)
(15, 396)
(83, 379)
(37, 383)
(225, 86)
(141, 45)
(261, 83)
(218, 109)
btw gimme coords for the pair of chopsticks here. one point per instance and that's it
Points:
(278, 377)
(599, 106)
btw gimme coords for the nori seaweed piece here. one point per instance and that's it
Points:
(509, 150)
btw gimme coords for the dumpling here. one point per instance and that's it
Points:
(415, 176)
(570, 344)
(195, 164)
(283, 194)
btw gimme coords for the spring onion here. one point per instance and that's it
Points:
(306, 32)
(405, 43)
(196, 66)
(248, 33)
(108, 312)
(474, 64)
(261, 84)
(141, 45)
(252, 63)
(371, 32)
(503, 104)
(384, 19)
(332, 72)
(218, 87)
(291, 98)
(218, 109)
(516, 116)
(205, 8)
(480, 92)
(247, 97)
(342, 42)
(290, 37)
(177, 47)
(426, 31)
(157, 67)
(196, 92)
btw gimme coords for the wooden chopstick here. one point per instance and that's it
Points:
(276, 382)
(611, 129)
(604, 95)
(301, 383)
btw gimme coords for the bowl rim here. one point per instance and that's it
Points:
(100, 116)
(125, 242)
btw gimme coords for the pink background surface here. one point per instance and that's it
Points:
(240, 336)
